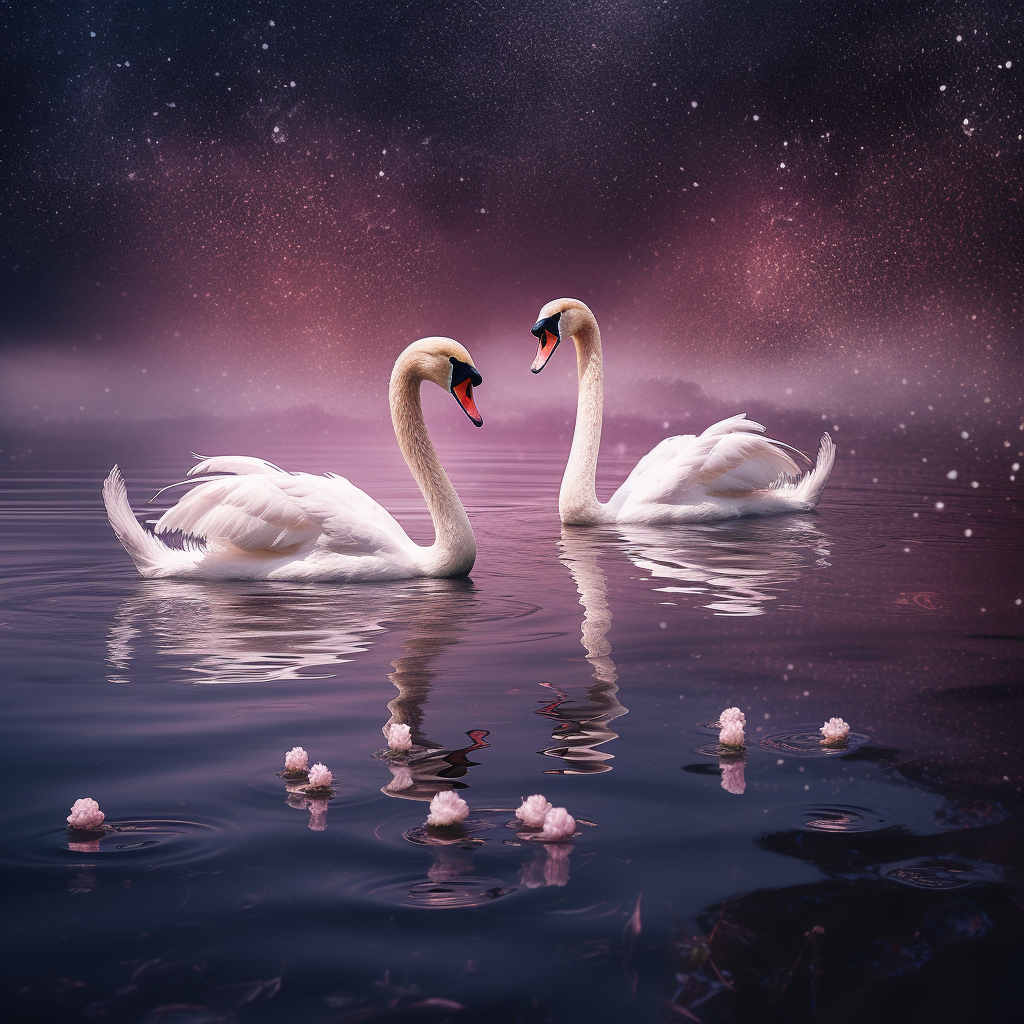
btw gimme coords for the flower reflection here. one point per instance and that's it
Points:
(318, 814)
(85, 880)
(738, 565)
(449, 862)
(299, 797)
(549, 868)
(582, 728)
(89, 846)
(732, 775)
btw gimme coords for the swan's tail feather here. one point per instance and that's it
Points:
(148, 552)
(809, 487)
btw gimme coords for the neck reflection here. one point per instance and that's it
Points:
(582, 729)
(437, 623)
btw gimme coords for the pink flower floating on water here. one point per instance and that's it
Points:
(296, 760)
(835, 731)
(447, 808)
(399, 736)
(732, 777)
(533, 810)
(558, 824)
(86, 815)
(320, 776)
(731, 732)
(732, 715)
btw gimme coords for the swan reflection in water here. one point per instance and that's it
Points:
(581, 729)
(736, 568)
(434, 625)
(248, 632)
(738, 565)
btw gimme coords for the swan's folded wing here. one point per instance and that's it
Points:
(252, 512)
(277, 512)
(741, 463)
(351, 520)
(721, 463)
(654, 466)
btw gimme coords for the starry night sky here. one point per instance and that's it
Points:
(262, 203)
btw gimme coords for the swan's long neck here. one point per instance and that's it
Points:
(454, 549)
(577, 499)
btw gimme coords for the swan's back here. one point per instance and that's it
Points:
(729, 461)
(265, 509)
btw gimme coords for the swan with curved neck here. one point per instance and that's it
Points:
(248, 519)
(728, 471)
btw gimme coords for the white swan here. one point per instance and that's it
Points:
(728, 471)
(264, 523)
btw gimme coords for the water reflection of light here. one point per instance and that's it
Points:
(738, 565)
(246, 633)
(581, 728)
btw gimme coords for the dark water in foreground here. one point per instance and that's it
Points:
(586, 665)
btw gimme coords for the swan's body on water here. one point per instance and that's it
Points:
(248, 519)
(730, 470)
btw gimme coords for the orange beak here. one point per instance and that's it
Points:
(463, 393)
(548, 342)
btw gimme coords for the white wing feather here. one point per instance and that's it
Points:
(729, 459)
(266, 509)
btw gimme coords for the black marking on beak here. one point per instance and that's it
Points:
(547, 334)
(461, 370)
(464, 378)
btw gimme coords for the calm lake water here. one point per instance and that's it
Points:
(586, 665)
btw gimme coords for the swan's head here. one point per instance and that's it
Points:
(445, 362)
(559, 319)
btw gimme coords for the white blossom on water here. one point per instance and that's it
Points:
(835, 731)
(732, 715)
(296, 760)
(399, 736)
(86, 814)
(447, 808)
(533, 810)
(732, 777)
(558, 824)
(731, 734)
(320, 776)
(731, 722)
